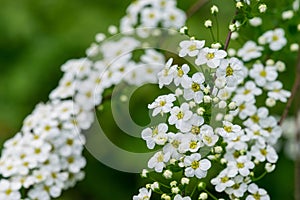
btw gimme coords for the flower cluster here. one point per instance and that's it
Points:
(152, 13)
(204, 117)
(45, 157)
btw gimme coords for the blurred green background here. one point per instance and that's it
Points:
(37, 37)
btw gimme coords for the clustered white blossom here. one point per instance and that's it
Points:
(45, 157)
(213, 116)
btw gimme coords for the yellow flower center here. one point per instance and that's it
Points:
(193, 145)
(229, 71)
(195, 87)
(193, 47)
(263, 73)
(210, 56)
(180, 115)
(228, 129)
(195, 164)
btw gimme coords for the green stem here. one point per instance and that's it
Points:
(210, 194)
(218, 29)
(212, 35)
(153, 179)
(194, 190)
(260, 177)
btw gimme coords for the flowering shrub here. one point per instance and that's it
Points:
(217, 138)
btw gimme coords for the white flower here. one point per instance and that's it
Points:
(255, 21)
(243, 165)
(181, 73)
(263, 152)
(165, 77)
(180, 116)
(223, 180)
(9, 190)
(248, 91)
(162, 104)
(192, 87)
(244, 108)
(257, 117)
(173, 144)
(239, 188)
(275, 39)
(179, 197)
(144, 194)
(157, 135)
(190, 142)
(208, 136)
(174, 18)
(262, 74)
(211, 57)
(195, 166)
(150, 17)
(276, 92)
(157, 162)
(250, 51)
(257, 193)
(229, 130)
(231, 69)
(190, 47)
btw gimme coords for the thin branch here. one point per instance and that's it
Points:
(293, 92)
(228, 38)
(195, 7)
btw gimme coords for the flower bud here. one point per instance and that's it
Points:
(168, 174)
(144, 173)
(219, 117)
(100, 37)
(216, 45)
(262, 8)
(173, 183)
(255, 21)
(165, 197)
(201, 185)
(175, 190)
(218, 149)
(287, 15)
(183, 30)
(214, 9)
(232, 105)
(269, 167)
(222, 104)
(231, 52)
(185, 181)
(203, 196)
(178, 92)
(294, 47)
(154, 186)
(270, 62)
(239, 5)
(208, 23)
(207, 99)
(280, 66)
(223, 161)
(112, 29)
(234, 35)
(270, 102)
(200, 111)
